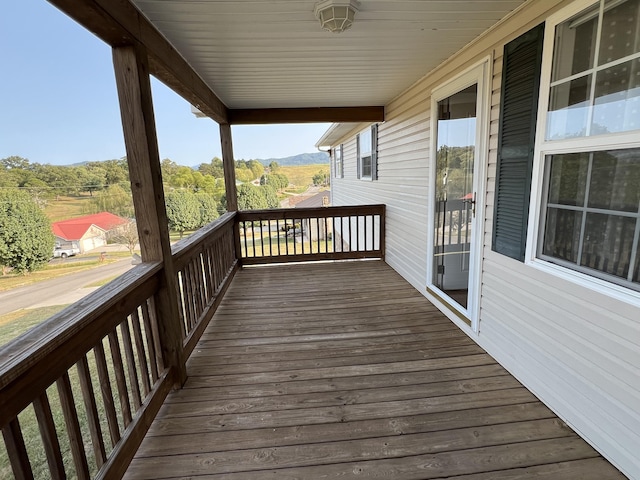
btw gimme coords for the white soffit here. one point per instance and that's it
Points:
(273, 53)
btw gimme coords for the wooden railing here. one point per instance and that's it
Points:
(78, 392)
(92, 375)
(205, 263)
(308, 234)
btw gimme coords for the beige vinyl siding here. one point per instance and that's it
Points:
(576, 348)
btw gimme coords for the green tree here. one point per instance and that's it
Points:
(270, 196)
(168, 168)
(14, 161)
(251, 197)
(321, 178)
(256, 168)
(26, 239)
(93, 184)
(215, 168)
(208, 208)
(183, 211)
(273, 166)
(114, 199)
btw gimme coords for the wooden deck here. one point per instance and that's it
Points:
(344, 371)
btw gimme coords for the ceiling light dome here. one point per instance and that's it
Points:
(336, 15)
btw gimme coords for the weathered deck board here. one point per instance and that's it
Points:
(343, 370)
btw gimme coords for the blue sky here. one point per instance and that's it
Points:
(58, 101)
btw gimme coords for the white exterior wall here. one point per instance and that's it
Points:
(576, 348)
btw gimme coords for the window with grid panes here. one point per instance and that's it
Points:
(591, 212)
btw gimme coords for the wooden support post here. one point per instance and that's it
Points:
(229, 167)
(136, 108)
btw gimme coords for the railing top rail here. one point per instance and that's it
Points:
(293, 213)
(206, 234)
(73, 329)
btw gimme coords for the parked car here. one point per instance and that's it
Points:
(64, 252)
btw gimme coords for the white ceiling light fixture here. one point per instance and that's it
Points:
(336, 15)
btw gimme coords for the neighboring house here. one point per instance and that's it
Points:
(88, 232)
(511, 176)
(313, 229)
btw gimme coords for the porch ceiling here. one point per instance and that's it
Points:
(273, 54)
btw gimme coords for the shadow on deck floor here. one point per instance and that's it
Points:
(345, 371)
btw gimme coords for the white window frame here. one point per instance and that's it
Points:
(338, 165)
(543, 148)
(372, 131)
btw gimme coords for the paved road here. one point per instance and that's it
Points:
(60, 291)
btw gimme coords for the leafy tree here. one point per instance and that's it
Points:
(243, 174)
(183, 178)
(14, 161)
(278, 181)
(208, 208)
(126, 234)
(251, 197)
(183, 211)
(271, 197)
(256, 168)
(215, 168)
(168, 168)
(26, 239)
(321, 178)
(93, 184)
(273, 166)
(114, 199)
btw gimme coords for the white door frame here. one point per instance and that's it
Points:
(480, 74)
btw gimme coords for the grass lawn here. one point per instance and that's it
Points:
(302, 175)
(16, 323)
(63, 208)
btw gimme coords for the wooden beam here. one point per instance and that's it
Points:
(120, 23)
(305, 115)
(229, 167)
(136, 108)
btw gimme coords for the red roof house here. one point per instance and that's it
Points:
(88, 232)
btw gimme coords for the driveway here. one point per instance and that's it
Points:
(62, 290)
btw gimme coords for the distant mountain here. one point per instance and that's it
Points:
(300, 159)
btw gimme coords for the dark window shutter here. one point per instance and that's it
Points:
(374, 152)
(358, 161)
(516, 138)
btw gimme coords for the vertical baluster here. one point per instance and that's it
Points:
(73, 427)
(201, 279)
(16, 450)
(350, 238)
(186, 296)
(142, 354)
(270, 239)
(131, 364)
(107, 393)
(151, 345)
(317, 220)
(357, 233)
(326, 234)
(286, 237)
(244, 234)
(302, 234)
(121, 383)
(49, 436)
(156, 334)
(181, 306)
(253, 239)
(84, 375)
